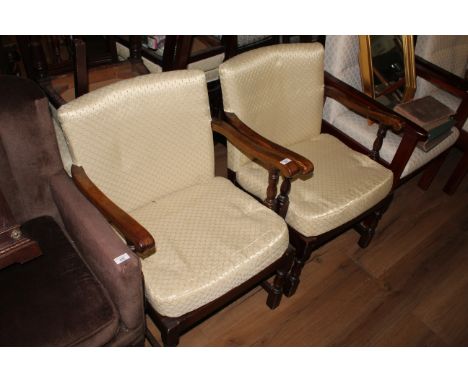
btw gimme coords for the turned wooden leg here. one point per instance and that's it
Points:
(431, 171)
(276, 290)
(457, 175)
(301, 256)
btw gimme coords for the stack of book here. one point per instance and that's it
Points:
(432, 115)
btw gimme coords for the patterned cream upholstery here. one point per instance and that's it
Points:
(278, 91)
(342, 61)
(147, 143)
(344, 185)
(211, 237)
(451, 54)
(133, 167)
(285, 106)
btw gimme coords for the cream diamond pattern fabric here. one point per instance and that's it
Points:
(342, 61)
(344, 185)
(210, 238)
(125, 136)
(276, 90)
(448, 52)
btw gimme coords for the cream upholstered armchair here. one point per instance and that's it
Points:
(275, 96)
(441, 64)
(142, 152)
(398, 149)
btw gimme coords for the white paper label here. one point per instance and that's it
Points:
(120, 259)
(285, 161)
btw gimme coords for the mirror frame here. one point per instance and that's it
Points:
(367, 75)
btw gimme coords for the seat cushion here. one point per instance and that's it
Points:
(53, 300)
(358, 129)
(210, 238)
(344, 184)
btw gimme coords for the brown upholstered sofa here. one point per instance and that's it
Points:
(75, 293)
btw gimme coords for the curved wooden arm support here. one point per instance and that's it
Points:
(367, 107)
(271, 158)
(441, 78)
(133, 232)
(305, 164)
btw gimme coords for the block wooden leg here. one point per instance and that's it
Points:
(431, 171)
(170, 335)
(457, 175)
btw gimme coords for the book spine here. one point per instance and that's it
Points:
(441, 129)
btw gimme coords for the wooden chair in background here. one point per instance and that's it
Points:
(397, 144)
(275, 96)
(69, 67)
(441, 62)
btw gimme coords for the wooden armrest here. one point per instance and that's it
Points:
(133, 232)
(305, 164)
(367, 107)
(441, 78)
(288, 167)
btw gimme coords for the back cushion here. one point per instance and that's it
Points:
(341, 61)
(277, 91)
(142, 138)
(448, 52)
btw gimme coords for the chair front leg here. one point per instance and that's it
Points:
(275, 291)
(302, 254)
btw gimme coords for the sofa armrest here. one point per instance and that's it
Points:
(99, 247)
(132, 231)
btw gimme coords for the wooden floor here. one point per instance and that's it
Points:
(408, 288)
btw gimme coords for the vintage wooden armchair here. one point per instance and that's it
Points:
(398, 147)
(77, 292)
(143, 154)
(275, 95)
(441, 64)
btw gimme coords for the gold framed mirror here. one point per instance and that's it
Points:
(387, 67)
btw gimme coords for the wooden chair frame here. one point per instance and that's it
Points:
(80, 66)
(141, 241)
(367, 222)
(458, 87)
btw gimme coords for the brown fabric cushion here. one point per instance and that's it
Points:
(53, 300)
